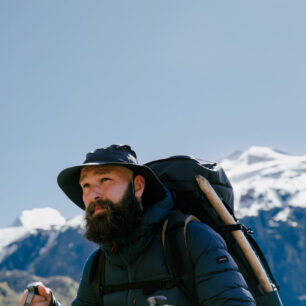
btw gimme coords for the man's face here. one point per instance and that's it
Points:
(104, 183)
(112, 210)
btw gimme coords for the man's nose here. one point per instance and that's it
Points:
(95, 193)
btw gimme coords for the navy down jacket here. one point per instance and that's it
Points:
(141, 259)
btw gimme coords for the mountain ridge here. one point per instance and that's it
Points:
(263, 178)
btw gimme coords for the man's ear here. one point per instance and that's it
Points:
(139, 185)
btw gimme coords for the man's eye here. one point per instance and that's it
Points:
(104, 179)
(85, 185)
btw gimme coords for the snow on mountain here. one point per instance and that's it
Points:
(76, 222)
(32, 221)
(264, 178)
(42, 218)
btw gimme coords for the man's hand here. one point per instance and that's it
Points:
(43, 299)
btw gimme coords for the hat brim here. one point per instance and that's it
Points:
(68, 181)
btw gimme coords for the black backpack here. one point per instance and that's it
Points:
(178, 174)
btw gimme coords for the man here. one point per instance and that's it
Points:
(125, 205)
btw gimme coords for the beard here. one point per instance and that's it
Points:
(116, 221)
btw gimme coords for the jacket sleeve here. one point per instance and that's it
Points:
(217, 278)
(86, 295)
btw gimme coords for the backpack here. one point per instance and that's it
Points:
(178, 174)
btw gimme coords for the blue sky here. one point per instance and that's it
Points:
(203, 78)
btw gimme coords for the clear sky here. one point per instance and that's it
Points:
(204, 78)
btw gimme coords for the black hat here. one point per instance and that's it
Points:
(121, 155)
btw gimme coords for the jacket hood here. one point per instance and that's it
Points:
(153, 215)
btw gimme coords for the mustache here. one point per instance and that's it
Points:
(105, 204)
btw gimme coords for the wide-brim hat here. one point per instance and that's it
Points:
(120, 155)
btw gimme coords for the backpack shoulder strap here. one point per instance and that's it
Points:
(178, 261)
(97, 274)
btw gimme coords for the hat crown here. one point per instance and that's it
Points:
(114, 153)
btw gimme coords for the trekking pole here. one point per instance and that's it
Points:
(228, 219)
(32, 289)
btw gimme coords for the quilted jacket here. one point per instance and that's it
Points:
(141, 259)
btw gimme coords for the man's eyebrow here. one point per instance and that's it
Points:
(101, 171)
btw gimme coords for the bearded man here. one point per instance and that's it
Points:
(125, 205)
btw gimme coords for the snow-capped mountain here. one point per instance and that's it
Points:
(40, 218)
(40, 235)
(270, 197)
(264, 179)
(30, 223)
